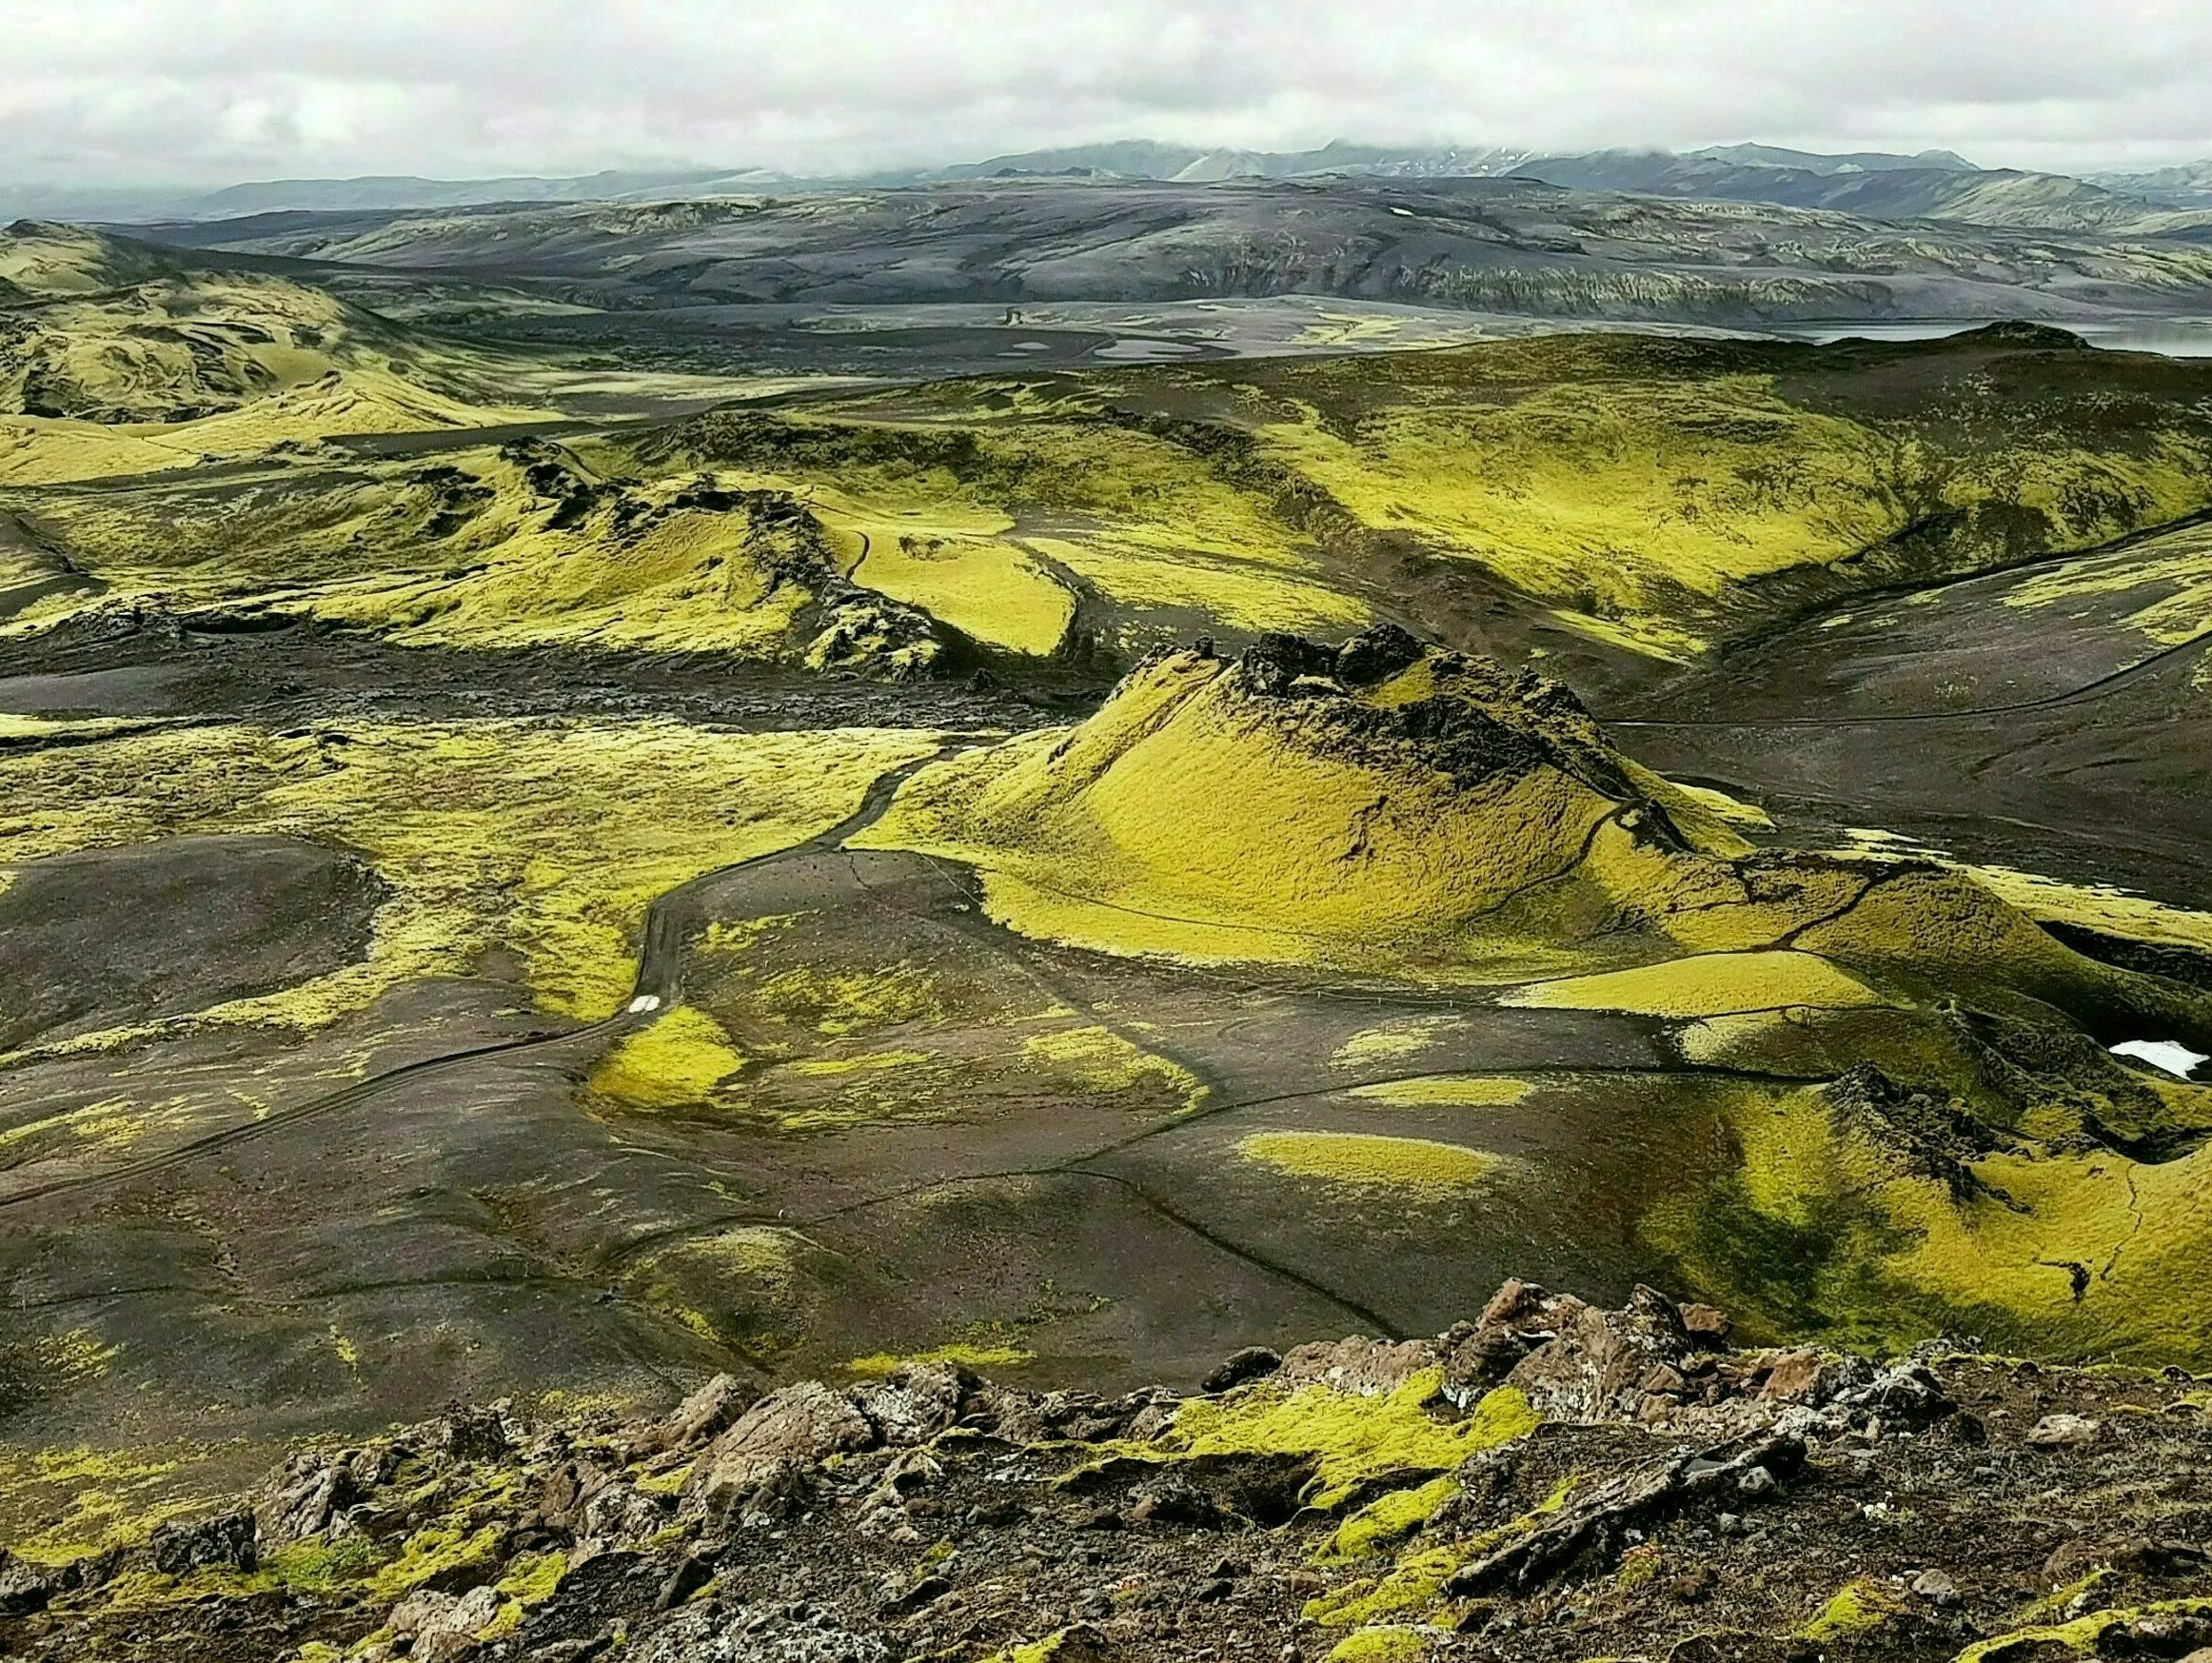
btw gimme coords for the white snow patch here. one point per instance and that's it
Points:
(2170, 1055)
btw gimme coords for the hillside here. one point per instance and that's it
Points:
(1691, 495)
(1392, 814)
(1508, 245)
(123, 357)
(119, 357)
(1899, 191)
(2186, 186)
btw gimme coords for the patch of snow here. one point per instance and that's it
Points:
(2170, 1055)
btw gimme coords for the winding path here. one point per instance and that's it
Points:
(656, 986)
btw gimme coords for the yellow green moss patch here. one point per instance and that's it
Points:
(2171, 573)
(1639, 1567)
(1352, 1439)
(1857, 1608)
(1387, 1643)
(991, 591)
(1102, 1061)
(532, 1579)
(1460, 1091)
(1044, 1651)
(2083, 1635)
(1412, 1584)
(676, 1060)
(1884, 1248)
(1394, 1040)
(2100, 906)
(550, 838)
(1182, 808)
(1417, 1167)
(1708, 984)
(983, 1359)
(754, 1254)
(1241, 594)
(1731, 810)
(435, 1552)
(1383, 1524)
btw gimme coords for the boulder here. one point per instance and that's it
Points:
(797, 1427)
(1382, 649)
(1253, 1363)
(1906, 1393)
(25, 1588)
(1363, 1368)
(302, 1497)
(1708, 1325)
(441, 1626)
(1810, 1377)
(227, 1543)
(2065, 1432)
(311, 1491)
(621, 1513)
(1594, 1366)
(705, 1413)
(1937, 1587)
(474, 1434)
(914, 1404)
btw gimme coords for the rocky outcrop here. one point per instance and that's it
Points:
(777, 1438)
(1640, 1488)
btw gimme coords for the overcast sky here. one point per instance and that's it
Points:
(175, 92)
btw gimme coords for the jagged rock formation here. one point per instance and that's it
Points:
(1549, 1481)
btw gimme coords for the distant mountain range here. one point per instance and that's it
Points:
(1876, 185)
(2187, 186)
(1897, 188)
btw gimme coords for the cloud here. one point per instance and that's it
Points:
(212, 91)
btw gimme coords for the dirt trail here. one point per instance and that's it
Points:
(656, 987)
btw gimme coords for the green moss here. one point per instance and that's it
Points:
(550, 838)
(158, 369)
(1239, 593)
(1351, 1440)
(1414, 1583)
(1705, 985)
(1458, 1091)
(1639, 1567)
(1418, 1168)
(2083, 1636)
(1389, 1643)
(315, 1567)
(1394, 1040)
(677, 1061)
(1043, 1651)
(532, 1578)
(1102, 1061)
(1382, 1524)
(1825, 1226)
(993, 591)
(434, 1553)
(1857, 1608)
(980, 1357)
(1185, 818)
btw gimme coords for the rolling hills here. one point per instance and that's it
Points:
(1509, 245)
(523, 872)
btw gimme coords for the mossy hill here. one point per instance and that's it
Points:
(1394, 813)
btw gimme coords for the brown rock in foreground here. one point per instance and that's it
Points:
(1552, 1482)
